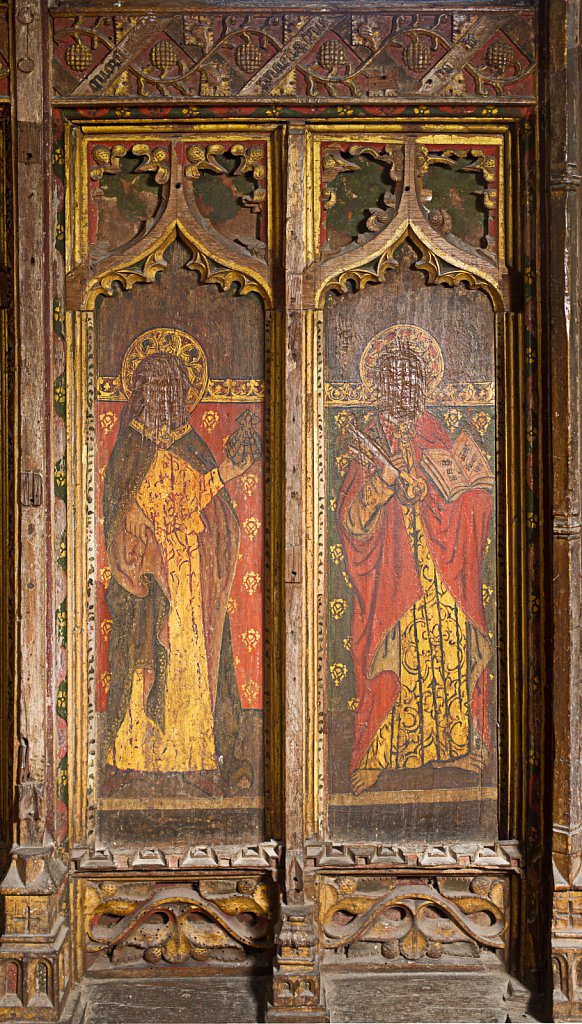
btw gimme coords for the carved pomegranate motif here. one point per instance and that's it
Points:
(417, 55)
(331, 55)
(499, 57)
(248, 57)
(163, 56)
(78, 57)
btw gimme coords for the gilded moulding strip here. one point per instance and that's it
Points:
(470, 393)
(110, 389)
(337, 393)
(413, 796)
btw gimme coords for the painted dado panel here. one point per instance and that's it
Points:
(296, 502)
(171, 337)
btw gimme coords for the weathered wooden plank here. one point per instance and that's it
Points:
(294, 512)
(31, 196)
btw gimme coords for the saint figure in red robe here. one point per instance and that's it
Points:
(414, 546)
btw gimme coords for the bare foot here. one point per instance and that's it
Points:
(469, 762)
(364, 778)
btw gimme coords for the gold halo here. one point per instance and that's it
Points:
(177, 343)
(416, 339)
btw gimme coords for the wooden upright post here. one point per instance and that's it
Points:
(296, 979)
(33, 949)
(562, 83)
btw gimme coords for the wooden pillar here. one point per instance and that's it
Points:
(35, 934)
(562, 95)
(296, 979)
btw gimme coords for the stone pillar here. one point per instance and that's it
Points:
(562, 108)
(33, 951)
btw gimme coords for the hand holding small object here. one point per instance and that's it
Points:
(229, 470)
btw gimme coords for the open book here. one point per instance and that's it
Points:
(456, 471)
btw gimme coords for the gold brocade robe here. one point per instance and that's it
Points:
(171, 497)
(427, 650)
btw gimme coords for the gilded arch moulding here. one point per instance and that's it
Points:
(443, 257)
(94, 156)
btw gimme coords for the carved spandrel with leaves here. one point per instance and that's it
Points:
(365, 201)
(444, 198)
(458, 189)
(134, 188)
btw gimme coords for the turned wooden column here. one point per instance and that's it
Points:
(562, 99)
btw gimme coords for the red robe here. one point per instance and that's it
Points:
(385, 581)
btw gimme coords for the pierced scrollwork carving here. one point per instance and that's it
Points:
(336, 161)
(252, 162)
(250, 193)
(133, 922)
(478, 161)
(476, 206)
(413, 919)
(153, 160)
(108, 160)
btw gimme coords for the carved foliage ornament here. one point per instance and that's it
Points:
(304, 55)
(251, 161)
(107, 160)
(337, 160)
(414, 918)
(241, 165)
(471, 201)
(212, 920)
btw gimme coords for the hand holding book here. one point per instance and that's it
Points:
(459, 470)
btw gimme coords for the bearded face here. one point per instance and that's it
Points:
(160, 394)
(401, 383)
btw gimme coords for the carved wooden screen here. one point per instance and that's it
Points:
(297, 492)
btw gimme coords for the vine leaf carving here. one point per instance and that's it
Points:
(204, 159)
(303, 54)
(108, 160)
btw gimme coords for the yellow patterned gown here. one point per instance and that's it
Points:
(172, 496)
(430, 719)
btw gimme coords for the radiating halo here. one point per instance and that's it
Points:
(175, 342)
(405, 337)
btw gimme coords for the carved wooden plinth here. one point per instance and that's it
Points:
(567, 955)
(297, 994)
(143, 924)
(34, 955)
(412, 919)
